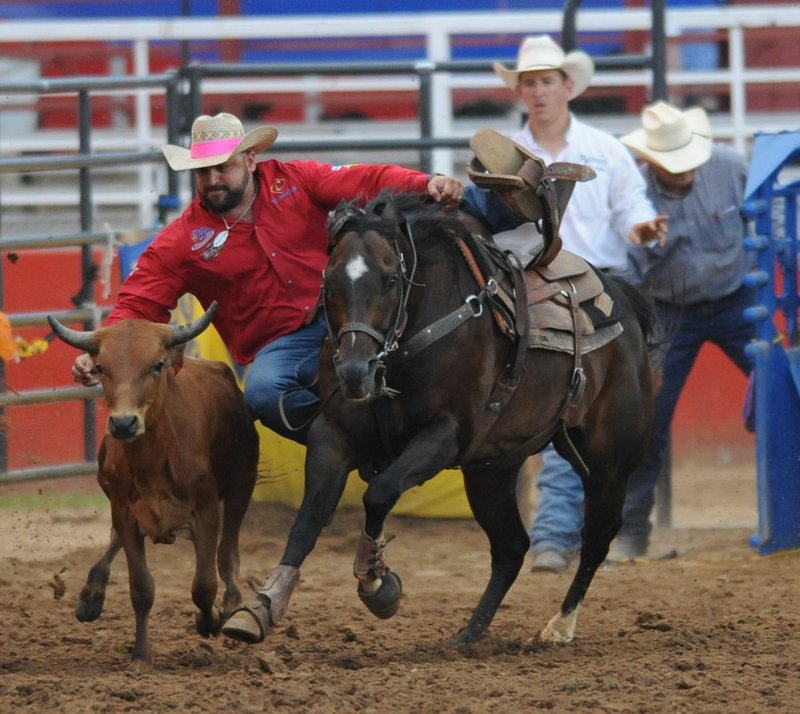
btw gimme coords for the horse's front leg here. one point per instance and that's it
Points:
(492, 497)
(327, 466)
(426, 454)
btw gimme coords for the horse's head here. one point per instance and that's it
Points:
(364, 292)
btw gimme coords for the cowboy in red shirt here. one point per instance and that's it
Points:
(254, 239)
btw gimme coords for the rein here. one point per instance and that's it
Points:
(317, 411)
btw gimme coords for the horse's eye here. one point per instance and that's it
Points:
(391, 283)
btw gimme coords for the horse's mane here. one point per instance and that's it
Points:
(389, 210)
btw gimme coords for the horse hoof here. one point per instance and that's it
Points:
(208, 627)
(248, 624)
(463, 637)
(385, 600)
(141, 665)
(89, 608)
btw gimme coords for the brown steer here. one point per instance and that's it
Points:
(179, 439)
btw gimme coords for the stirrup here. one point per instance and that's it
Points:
(498, 165)
(535, 192)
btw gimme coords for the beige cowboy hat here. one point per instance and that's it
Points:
(675, 140)
(215, 139)
(541, 53)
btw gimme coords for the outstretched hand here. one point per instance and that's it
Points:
(82, 371)
(445, 190)
(649, 231)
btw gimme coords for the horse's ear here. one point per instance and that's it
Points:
(337, 218)
(390, 211)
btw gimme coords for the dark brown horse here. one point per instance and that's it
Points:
(412, 405)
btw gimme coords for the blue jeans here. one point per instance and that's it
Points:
(720, 322)
(490, 208)
(559, 513)
(289, 362)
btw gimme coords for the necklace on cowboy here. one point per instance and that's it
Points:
(222, 236)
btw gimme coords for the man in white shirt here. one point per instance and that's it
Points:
(604, 215)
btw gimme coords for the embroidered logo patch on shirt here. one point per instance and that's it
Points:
(598, 163)
(212, 251)
(283, 195)
(201, 236)
(278, 185)
(339, 167)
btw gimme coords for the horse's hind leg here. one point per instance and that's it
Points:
(93, 594)
(604, 492)
(492, 496)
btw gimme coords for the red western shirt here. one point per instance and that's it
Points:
(266, 276)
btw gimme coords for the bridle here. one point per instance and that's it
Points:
(389, 340)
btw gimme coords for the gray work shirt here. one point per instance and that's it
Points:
(703, 258)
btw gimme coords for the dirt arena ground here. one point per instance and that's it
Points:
(705, 625)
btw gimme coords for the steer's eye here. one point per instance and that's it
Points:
(158, 367)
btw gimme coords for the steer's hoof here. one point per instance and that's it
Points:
(208, 626)
(89, 606)
(385, 600)
(249, 623)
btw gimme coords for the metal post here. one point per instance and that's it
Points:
(569, 32)
(425, 74)
(87, 266)
(658, 41)
(173, 100)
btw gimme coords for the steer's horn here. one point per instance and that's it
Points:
(76, 338)
(178, 334)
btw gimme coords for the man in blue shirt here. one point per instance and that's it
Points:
(694, 278)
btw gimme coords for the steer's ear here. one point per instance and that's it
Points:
(175, 356)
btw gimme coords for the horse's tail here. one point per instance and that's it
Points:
(644, 310)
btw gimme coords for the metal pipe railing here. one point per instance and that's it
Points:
(85, 311)
(181, 109)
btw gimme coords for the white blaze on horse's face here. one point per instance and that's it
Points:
(355, 268)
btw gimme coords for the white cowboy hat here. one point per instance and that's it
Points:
(541, 53)
(215, 139)
(675, 140)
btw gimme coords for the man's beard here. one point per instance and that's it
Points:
(222, 199)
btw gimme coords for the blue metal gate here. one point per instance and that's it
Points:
(771, 201)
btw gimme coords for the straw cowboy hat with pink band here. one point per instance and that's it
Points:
(541, 53)
(674, 140)
(215, 139)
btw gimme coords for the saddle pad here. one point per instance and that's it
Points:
(562, 341)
